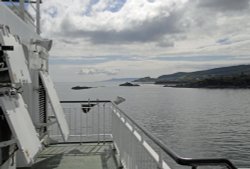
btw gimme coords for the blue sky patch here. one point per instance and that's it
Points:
(88, 9)
(116, 5)
(224, 41)
(26, 5)
(52, 11)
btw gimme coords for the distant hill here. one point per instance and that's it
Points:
(182, 77)
(121, 80)
(145, 80)
(236, 81)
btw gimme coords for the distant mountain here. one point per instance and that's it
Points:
(121, 80)
(182, 77)
(145, 80)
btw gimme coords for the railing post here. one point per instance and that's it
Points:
(104, 131)
(98, 121)
(86, 121)
(81, 126)
(75, 120)
(21, 6)
(160, 163)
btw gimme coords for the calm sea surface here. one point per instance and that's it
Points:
(193, 122)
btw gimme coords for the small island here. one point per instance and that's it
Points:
(81, 87)
(128, 84)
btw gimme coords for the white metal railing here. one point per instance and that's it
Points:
(138, 148)
(27, 10)
(133, 146)
(102, 121)
(86, 124)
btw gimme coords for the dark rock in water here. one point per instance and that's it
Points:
(128, 84)
(80, 87)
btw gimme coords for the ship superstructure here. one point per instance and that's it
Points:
(25, 86)
(39, 131)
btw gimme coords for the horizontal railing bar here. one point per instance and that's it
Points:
(89, 135)
(85, 101)
(179, 160)
(83, 142)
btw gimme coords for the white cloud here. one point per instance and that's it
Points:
(94, 71)
(151, 25)
(224, 5)
(140, 68)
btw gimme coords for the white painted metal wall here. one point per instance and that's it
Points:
(29, 57)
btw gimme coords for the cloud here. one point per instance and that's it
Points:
(224, 5)
(130, 69)
(113, 29)
(197, 58)
(102, 22)
(103, 26)
(91, 60)
(95, 71)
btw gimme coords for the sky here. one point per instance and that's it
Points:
(96, 40)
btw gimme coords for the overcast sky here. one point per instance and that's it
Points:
(103, 39)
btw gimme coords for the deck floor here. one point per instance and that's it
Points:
(77, 156)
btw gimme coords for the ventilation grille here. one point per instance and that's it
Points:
(42, 104)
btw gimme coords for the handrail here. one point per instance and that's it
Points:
(193, 162)
(85, 101)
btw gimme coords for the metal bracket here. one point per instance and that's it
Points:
(7, 143)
